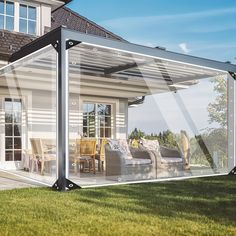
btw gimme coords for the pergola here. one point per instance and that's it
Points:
(119, 68)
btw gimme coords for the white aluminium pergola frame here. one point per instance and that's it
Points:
(63, 39)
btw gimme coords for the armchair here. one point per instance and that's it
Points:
(167, 160)
(42, 154)
(124, 164)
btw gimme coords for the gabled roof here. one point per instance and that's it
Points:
(74, 21)
(12, 42)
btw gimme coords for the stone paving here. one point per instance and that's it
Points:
(10, 181)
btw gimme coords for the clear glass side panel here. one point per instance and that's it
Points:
(28, 117)
(137, 118)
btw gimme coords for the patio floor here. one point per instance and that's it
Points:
(22, 179)
(11, 181)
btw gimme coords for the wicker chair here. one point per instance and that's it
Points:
(101, 155)
(167, 159)
(125, 166)
(85, 153)
(40, 153)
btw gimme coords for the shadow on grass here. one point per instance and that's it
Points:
(213, 198)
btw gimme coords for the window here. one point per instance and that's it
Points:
(27, 19)
(13, 120)
(7, 15)
(97, 120)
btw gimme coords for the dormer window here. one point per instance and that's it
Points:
(7, 14)
(27, 19)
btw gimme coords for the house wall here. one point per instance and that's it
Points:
(45, 18)
(39, 117)
(3, 63)
(41, 102)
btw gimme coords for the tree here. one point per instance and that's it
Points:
(218, 109)
(215, 139)
(165, 138)
(136, 134)
(168, 139)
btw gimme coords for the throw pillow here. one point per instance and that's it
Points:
(152, 145)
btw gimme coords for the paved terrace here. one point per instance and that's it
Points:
(11, 181)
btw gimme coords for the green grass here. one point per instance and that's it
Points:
(205, 206)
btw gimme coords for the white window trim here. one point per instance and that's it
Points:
(96, 116)
(24, 137)
(13, 123)
(17, 21)
(5, 15)
(17, 15)
(114, 110)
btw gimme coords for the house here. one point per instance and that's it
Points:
(46, 17)
(68, 85)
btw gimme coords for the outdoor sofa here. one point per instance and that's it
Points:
(148, 161)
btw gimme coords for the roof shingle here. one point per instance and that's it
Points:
(12, 42)
(74, 21)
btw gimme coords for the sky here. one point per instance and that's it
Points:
(205, 28)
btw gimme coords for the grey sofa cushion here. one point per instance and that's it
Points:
(152, 145)
(120, 145)
(169, 152)
(137, 161)
(140, 153)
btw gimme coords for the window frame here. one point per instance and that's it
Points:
(16, 16)
(97, 125)
(28, 5)
(13, 149)
(5, 15)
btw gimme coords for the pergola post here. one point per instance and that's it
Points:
(62, 183)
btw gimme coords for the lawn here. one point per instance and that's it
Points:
(205, 206)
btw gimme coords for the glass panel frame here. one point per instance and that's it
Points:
(33, 117)
(117, 49)
(98, 53)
